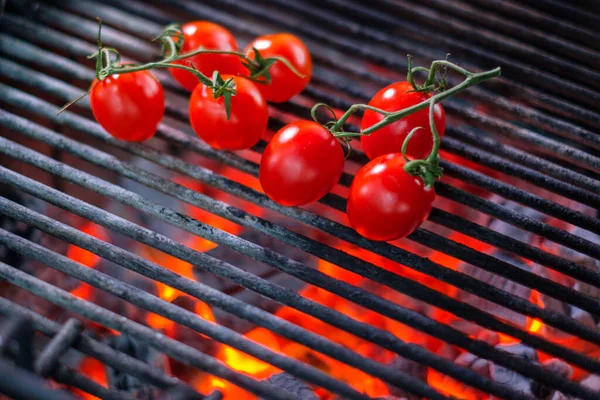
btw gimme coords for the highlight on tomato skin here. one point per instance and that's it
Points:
(128, 106)
(284, 84)
(301, 164)
(386, 202)
(210, 36)
(389, 139)
(246, 124)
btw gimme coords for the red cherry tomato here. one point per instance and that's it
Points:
(129, 106)
(246, 124)
(386, 202)
(301, 164)
(284, 83)
(212, 37)
(389, 139)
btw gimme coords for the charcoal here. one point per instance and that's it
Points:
(137, 388)
(503, 375)
(409, 367)
(555, 366)
(561, 307)
(591, 382)
(501, 283)
(471, 361)
(293, 385)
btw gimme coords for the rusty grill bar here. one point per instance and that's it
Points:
(550, 142)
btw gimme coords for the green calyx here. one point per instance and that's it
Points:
(259, 67)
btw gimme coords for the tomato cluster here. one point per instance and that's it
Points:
(390, 196)
(131, 105)
(304, 161)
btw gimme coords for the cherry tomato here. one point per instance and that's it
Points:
(284, 83)
(301, 164)
(212, 37)
(386, 202)
(246, 124)
(389, 139)
(129, 106)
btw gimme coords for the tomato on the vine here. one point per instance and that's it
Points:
(247, 121)
(389, 139)
(386, 202)
(285, 84)
(209, 36)
(129, 106)
(301, 164)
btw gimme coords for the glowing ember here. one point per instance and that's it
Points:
(242, 362)
(451, 387)
(159, 322)
(95, 371)
(89, 259)
(83, 256)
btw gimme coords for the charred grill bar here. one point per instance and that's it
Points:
(549, 87)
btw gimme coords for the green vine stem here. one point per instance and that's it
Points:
(108, 63)
(391, 117)
(428, 168)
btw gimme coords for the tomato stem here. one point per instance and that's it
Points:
(429, 168)
(391, 117)
(172, 41)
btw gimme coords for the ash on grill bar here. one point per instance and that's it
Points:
(160, 270)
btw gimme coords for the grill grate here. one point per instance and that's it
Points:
(549, 88)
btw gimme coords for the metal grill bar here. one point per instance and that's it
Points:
(522, 165)
(21, 384)
(516, 50)
(52, 38)
(540, 99)
(519, 11)
(94, 348)
(497, 187)
(12, 151)
(546, 40)
(173, 348)
(451, 372)
(197, 290)
(203, 11)
(562, 10)
(170, 162)
(126, 21)
(432, 240)
(64, 375)
(36, 107)
(191, 196)
(503, 189)
(189, 319)
(521, 72)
